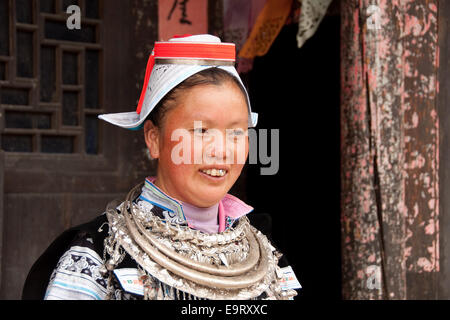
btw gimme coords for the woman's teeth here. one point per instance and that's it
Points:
(215, 172)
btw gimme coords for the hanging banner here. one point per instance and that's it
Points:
(238, 19)
(267, 26)
(311, 15)
(178, 17)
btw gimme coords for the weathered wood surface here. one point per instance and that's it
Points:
(421, 137)
(443, 280)
(390, 149)
(46, 194)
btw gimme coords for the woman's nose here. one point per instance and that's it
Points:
(218, 148)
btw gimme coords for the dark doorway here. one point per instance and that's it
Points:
(298, 92)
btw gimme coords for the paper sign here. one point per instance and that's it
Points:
(289, 280)
(129, 279)
(178, 17)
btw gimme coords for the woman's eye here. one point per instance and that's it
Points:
(237, 133)
(200, 130)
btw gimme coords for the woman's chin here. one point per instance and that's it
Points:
(207, 197)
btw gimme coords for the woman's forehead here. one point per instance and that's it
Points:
(212, 103)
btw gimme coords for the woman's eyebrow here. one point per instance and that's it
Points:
(201, 117)
(206, 120)
(239, 122)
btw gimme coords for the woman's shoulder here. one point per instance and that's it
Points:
(87, 237)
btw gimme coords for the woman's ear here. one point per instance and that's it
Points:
(151, 134)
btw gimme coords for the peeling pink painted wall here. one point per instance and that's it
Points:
(390, 148)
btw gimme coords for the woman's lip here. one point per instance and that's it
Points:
(217, 166)
(212, 178)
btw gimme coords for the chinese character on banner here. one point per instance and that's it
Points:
(178, 17)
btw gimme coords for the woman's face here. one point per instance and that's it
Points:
(203, 144)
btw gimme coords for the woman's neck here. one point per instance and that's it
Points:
(203, 219)
(199, 218)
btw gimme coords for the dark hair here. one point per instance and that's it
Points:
(210, 76)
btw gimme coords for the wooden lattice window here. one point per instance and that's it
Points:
(50, 77)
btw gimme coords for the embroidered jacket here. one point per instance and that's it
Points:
(76, 275)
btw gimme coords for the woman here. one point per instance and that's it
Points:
(180, 235)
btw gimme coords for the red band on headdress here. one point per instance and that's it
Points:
(148, 72)
(177, 50)
(182, 35)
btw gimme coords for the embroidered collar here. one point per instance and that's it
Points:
(230, 207)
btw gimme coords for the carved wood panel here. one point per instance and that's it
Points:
(50, 77)
(63, 164)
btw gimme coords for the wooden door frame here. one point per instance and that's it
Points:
(2, 171)
(443, 100)
(66, 182)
